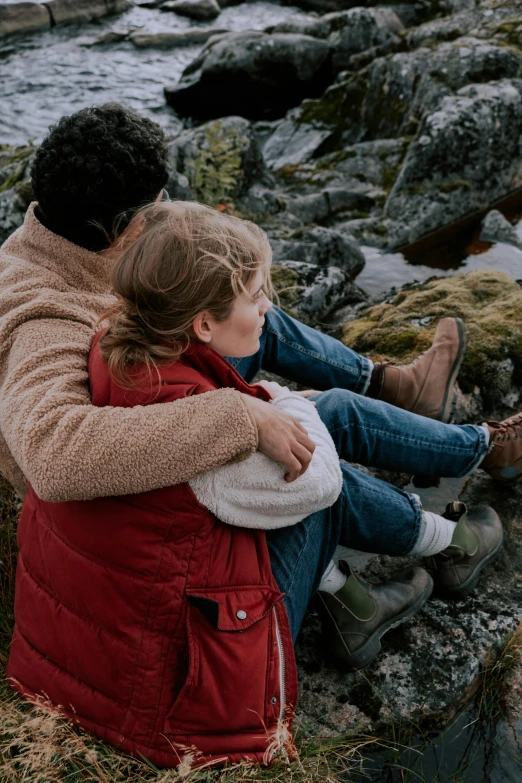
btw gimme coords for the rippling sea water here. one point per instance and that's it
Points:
(46, 75)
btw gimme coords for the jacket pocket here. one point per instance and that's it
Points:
(234, 660)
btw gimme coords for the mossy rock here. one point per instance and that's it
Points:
(13, 165)
(287, 286)
(490, 303)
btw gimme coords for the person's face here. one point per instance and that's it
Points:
(238, 335)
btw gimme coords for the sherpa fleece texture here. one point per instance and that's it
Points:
(254, 494)
(52, 292)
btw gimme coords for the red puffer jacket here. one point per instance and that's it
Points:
(155, 626)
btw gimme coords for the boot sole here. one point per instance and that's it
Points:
(372, 647)
(463, 590)
(445, 410)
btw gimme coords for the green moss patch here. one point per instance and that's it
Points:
(286, 285)
(339, 105)
(489, 302)
(216, 173)
(13, 163)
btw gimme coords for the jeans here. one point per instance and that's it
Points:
(369, 515)
(306, 356)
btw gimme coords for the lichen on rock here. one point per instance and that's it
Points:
(402, 326)
(13, 165)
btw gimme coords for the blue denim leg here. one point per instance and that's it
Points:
(370, 515)
(375, 434)
(304, 355)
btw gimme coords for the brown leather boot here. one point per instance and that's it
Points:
(356, 617)
(477, 541)
(427, 385)
(504, 460)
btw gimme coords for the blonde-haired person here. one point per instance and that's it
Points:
(170, 620)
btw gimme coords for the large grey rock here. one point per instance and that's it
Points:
(321, 247)
(108, 37)
(293, 143)
(495, 228)
(361, 20)
(221, 156)
(270, 73)
(329, 289)
(12, 211)
(15, 187)
(314, 271)
(71, 11)
(361, 29)
(390, 96)
(467, 155)
(201, 10)
(191, 37)
(325, 6)
(318, 27)
(23, 18)
(316, 206)
(446, 29)
(311, 292)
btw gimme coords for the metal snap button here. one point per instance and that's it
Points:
(241, 614)
(274, 699)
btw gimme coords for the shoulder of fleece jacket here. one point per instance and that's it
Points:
(51, 294)
(45, 276)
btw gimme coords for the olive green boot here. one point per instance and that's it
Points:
(359, 614)
(477, 541)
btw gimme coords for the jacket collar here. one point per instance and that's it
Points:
(79, 268)
(220, 372)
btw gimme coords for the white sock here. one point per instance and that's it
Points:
(435, 535)
(333, 579)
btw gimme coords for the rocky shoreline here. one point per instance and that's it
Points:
(29, 17)
(363, 127)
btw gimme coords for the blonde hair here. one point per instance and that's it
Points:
(175, 260)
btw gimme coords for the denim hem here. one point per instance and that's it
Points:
(483, 448)
(363, 383)
(417, 507)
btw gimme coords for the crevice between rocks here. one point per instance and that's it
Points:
(52, 20)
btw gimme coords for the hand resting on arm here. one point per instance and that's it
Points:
(254, 494)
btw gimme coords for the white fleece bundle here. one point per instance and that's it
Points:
(254, 494)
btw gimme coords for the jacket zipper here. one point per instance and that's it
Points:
(282, 672)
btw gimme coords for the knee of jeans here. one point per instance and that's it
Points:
(332, 404)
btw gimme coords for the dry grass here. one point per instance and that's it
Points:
(493, 677)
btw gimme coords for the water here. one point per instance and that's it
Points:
(48, 74)
(471, 749)
(385, 270)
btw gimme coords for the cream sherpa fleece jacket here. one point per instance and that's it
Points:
(254, 494)
(51, 294)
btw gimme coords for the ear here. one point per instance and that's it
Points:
(202, 327)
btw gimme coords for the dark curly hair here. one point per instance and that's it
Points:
(95, 169)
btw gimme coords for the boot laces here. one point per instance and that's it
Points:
(509, 429)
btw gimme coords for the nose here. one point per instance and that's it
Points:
(265, 305)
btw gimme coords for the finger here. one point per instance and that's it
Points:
(308, 393)
(294, 468)
(307, 442)
(300, 429)
(303, 455)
